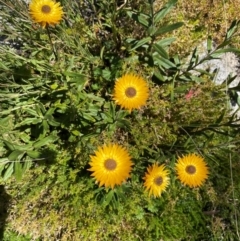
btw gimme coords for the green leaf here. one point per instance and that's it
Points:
(1, 169)
(28, 121)
(77, 78)
(8, 172)
(76, 132)
(168, 28)
(18, 171)
(164, 11)
(141, 18)
(101, 52)
(112, 110)
(106, 74)
(164, 62)
(159, 75)
(3, 67)
(27, 164)
(160, 50)
(51, 121)
(33, 154)
(88, 117)
(13, 147)
(14, 155)
(219, 52)
(3, 161)
(5, 122)
(193, 60)
(108, 198)
(232, 29)
(45, 141)
(32, 112)
(141, 42)
(10, 146)
(166, 41)
(223, 44)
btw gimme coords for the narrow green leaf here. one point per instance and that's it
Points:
(108, 198)
(76, 77)
(112, 110)
(164, 11)
(141, 18)
(28, 121)
(160, 50)
(1, 168)
(223, 44)
(34, 154)
(193, 60)
(18, 171)
(27, 164)
(6, 121)
(14, 155)
(3, 160)
(8, 172)
(76, 132)
(232, 29)
(219, 52)
(101, 52)
(45, 141)
(177, 60)
(42, 109)
(3, 67)
(31, 112)
(168, 28)
(50, 111)
(10, 146)
(166, 41)
(51, 121)
(13, 147)
(159, 75)
(141, 42)
(164, 62)
(45, 127)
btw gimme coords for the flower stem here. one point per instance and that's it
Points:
(53, 48)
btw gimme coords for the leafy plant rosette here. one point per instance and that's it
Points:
(97, 114)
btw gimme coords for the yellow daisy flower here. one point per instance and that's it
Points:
(156, 180)
(130, 92)
(192, 170)
(111, 165)
(45, 12)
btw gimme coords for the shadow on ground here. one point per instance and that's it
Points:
(4, 203)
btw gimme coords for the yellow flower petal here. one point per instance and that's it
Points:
(192, 170)
(130, 92)
(111, 165)
(156, 180)
(45, 12)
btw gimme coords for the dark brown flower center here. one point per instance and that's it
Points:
(158, 180)
(110, 164)
(190, 169)
(46, 9)
(130, 92)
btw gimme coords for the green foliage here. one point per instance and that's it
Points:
(56, 108)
